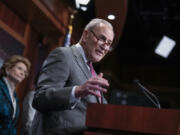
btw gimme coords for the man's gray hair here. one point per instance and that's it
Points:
(94, 22)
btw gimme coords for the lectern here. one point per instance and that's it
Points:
(131, 120)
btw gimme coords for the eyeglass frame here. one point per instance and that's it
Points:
(103, 41)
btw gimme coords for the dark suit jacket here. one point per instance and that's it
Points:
(63, 69)
(7, 123)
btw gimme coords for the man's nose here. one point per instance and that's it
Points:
(105, 46)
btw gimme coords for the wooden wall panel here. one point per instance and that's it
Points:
(59, 10)
(10, 19)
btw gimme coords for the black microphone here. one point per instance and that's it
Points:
(148, 94)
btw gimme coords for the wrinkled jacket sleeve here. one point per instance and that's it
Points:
(52, 92)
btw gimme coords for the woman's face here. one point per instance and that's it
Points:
(17, 73)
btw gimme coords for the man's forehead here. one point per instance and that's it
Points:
(102, 26)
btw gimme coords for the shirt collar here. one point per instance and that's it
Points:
(10, 86)
(80, 48)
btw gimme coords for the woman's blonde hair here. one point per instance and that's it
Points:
(12, 61)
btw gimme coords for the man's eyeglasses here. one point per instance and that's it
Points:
(102, 40)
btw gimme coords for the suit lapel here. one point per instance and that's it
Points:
(5, 91)
(6, 94)
(80, 61)
(83, 66)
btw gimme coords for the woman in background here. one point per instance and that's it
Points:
(14, 70)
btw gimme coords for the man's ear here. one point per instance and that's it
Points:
(85, 35)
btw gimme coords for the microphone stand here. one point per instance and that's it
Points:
(148, 94)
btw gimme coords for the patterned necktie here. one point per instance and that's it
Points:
(93, 73)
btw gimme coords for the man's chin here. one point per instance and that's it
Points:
(97, 59)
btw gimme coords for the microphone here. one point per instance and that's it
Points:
(148, 94)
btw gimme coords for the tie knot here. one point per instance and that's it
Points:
(89, 64)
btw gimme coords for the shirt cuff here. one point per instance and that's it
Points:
(73, 99)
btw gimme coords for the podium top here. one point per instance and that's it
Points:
(133, 119)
